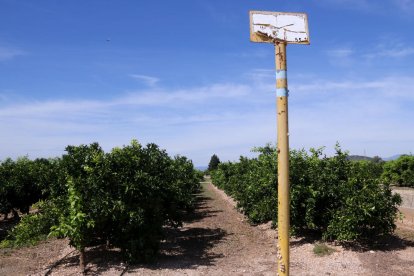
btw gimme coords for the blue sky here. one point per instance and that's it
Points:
(184, 75)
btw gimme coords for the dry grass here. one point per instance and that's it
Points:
(321, 249)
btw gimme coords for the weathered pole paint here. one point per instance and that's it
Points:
(280, 29)
(283, 217)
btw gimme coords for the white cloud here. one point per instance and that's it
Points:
(44, 128)
(405, 5)
(347, 56)
(399, 87)
(341, 53)
(255, 53)
(391, 50)
(3, 97)
(47, 108)
(147, 80)
(9, 53)
(261, 73)
(153, 98)
(227, 119)
(185, 96)
(372, 115)
(341, 56)
(395, 53)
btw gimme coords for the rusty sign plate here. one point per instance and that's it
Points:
(271, 27)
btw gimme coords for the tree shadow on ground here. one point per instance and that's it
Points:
(397, 241)
(387, 243)
(201, 210)
(99, 259)
(306, 236)
(186, 247)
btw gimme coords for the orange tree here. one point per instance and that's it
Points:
(124, 197)
(338, 198)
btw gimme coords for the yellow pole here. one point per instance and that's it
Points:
(283, 217)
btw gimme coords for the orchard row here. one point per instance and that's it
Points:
(338, 198)
(124, 198)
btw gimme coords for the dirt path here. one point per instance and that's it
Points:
(216, 240)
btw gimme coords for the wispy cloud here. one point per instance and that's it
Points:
(252, 54)
(150, 98)
(162, 116)
(361, 114)
(185, 96)
(341, 56)
(405, 5)
(388, 87)
(346, 56)
(7, 53)
(341, 53)
(261, 73)
(391, 50)
(227, 119)
(3, 97)
(46, 108)
(147, 80)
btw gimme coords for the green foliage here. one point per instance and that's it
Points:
(213, 164)
(368, 209)
(24, 182)
(252, 182)
(76, 226)
(142, 194)
(399, 172)
(33, 227)
(85, 197)
(125, 197)
(339, 198)
(18, 189)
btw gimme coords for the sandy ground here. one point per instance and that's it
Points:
(217, 240)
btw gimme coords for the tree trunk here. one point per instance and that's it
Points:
(82, 262)
(15, 215)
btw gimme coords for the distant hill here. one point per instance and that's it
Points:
(392, 157)
(201, 168)
(361, 157)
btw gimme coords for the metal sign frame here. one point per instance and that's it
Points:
(286, 27)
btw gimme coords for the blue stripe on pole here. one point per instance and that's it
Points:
(281, 74)
(282, 92)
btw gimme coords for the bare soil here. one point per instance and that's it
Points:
(217, 240)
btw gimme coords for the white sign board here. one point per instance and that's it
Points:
(279, 26)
